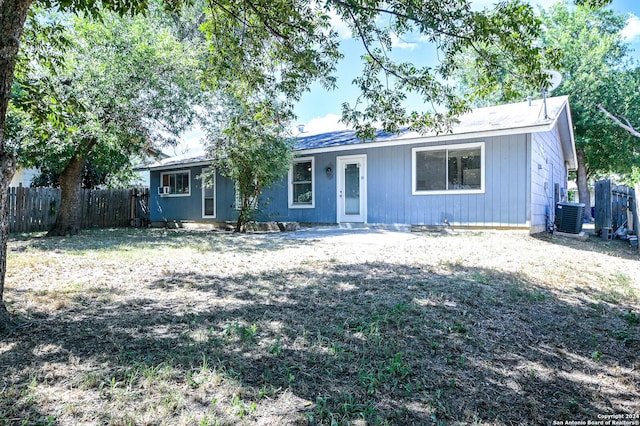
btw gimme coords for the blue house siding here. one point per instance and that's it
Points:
(389, 189)
(274, 203)
(548, 169)
(189, 208)
(504, 202)
(525, 163)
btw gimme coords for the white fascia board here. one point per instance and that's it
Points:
(179, 166)
(574, 159)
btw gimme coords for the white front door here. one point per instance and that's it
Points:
(352, 188)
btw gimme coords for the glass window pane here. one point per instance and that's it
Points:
(464, 168)
(302, 193)
(208, 207)
(352, 189)
(182, 183)
(302, 171)
(208, 194)
(431, 171)
(302, 182)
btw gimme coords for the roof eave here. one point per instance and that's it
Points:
(542, 127)
(177, 165)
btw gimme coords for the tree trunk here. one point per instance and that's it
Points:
(243, 214)
(584, 196)
(68, 220)
(8, 165)
(13, 14)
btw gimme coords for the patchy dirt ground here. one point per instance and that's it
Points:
(351, 327)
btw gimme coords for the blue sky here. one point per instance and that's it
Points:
(319, 110)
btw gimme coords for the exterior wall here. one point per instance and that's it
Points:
(548, 169)
(274, 204)
(520, 172)
(504, 202)
(189, 208)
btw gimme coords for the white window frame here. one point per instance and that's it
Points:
(176, 172)
(447, 148)
(215, 198)
(292, 204)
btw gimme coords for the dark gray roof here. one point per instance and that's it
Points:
(511, 118)
(507, 119)
(180, 160)
(339, 138)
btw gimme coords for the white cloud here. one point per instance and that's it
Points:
(339, 26)
(328, 123)
(398, 43)
(631, 31)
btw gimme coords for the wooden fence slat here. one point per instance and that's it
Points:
(36, 209)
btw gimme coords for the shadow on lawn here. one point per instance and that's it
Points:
(616, 248)
(379, 342)
(151, 238)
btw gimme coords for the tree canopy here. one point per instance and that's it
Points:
(125, 86)
(277, 49)
(586, 47)
(597, 70)
(249, 144)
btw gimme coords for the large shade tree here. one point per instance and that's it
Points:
(290, 43)
(594, 66)
(583, 42)
(13, 15)
(131, 87)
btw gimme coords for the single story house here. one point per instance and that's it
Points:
(500, 167)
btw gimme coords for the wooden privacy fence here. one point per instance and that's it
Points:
(36, 209)
(617, 211)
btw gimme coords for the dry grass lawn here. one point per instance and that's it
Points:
(164, 327)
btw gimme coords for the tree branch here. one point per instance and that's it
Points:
(406, 17)
(628, 127)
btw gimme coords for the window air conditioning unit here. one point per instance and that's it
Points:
(569, 217)
(164, 190)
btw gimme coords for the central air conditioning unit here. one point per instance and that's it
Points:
(164, 190)
(569, 217)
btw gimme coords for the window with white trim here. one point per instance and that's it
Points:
(176, 183)
(301, 183)
(208, 193)
(447, 169)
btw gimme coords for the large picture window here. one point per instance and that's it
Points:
(176, 183)
(456, 168)
(301, 183)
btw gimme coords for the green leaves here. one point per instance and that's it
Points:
(596, 70)
(248, 142)
(126, 83)
(279, 47)
(502, 40)
(95, 8)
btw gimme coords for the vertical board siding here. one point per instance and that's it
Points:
(36, 209)
(513, 196)
(547, 167)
